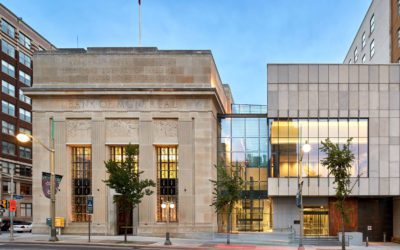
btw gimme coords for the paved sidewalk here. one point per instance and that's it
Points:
(158, 242)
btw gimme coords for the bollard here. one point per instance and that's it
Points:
(366, 241)
(384, 237)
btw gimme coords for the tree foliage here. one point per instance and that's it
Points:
(227, 190)
(125, 179)
(338, 162)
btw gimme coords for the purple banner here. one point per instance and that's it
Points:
(46, 183)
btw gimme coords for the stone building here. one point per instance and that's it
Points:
(173, 105)
(101, 99)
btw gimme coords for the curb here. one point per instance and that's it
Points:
(100, 244)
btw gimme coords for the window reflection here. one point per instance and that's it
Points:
(271, 147)
(245, 143)
(287, 137)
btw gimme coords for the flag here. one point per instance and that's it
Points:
(140, 2)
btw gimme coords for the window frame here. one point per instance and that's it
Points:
(167, 181)
(25, 152)
(24, 207)
(7, 48)
(25, 78)
(7, 145)
(9, 106)
(25, 115)
(7, 88)
(81, 178)
(24, 98)
(5, 128)
(24, 40)
(7, 68)
(7, 28)
(25, 59)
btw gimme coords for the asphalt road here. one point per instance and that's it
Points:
(19, 246)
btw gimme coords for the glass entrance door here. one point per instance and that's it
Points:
(316, 221)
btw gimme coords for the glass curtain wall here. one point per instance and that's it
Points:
(243, 142)
(288, 135)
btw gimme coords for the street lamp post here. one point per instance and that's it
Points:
(305, 149)
(169, 205)
(22, 137)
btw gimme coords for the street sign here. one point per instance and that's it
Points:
(13, 205)
(18, 197)
(89, 205)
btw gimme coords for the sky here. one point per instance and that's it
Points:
(244, 36)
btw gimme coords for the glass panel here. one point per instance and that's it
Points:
(323, 171)
(252, 145)
(252, 160)
(354, 169)
(238, 127)
(238, 144)
(313, 128)
(343, 128)
(252, 129)
(363, 128)
(303, 128)
(316, 221)
(226, 127)
(353, 128)
(263, 144)
(363, 157)
(263, 127)
(225, 144)
(323, 128)
(238, 158)
(333, 128)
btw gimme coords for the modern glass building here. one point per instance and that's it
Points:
(270, 147)
(243, 141)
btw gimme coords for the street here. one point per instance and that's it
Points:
(18, 246)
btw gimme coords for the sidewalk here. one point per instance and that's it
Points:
(158, 242)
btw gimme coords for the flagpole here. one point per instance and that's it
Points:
(140, 23)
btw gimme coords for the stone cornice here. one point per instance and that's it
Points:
(187, 92)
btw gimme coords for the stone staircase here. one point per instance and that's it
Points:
(320, 241)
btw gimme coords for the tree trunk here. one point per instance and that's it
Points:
(343, 228)
(228, 236)
(126, 227)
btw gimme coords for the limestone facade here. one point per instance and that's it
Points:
(342, 91)
(101, 97)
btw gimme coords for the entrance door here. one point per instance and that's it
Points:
(316, 221)
(122, 213)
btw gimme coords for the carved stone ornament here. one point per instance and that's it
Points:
(122, 127)
(78, 130)
(166, 128)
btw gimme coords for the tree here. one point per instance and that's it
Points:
(125, 179)
(227, 191)
(338, 162)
